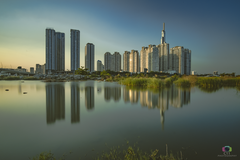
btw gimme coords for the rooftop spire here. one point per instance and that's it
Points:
(163, 38)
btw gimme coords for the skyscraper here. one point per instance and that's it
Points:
(149, 58)
(180, 60)
(112, 62)
(100, 66)
(134, 61)
(89, 57)
(55, 51)
(163, 52)
(75, 49)
(144, 58)
(126, 61)
(107, 61)
(50, 50)
(60, 51)
(153, 58)
(116, 59)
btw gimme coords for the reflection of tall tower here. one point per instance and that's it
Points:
(179, 97)
(133, 96)
(89, 97)
(125, 95)
(112, 92)
(143, 98)
(163, 103)
(55, 102)
(116, 93)
(107, 93)
(162, 118)
(75, 103)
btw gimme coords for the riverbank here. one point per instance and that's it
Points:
(145, 81)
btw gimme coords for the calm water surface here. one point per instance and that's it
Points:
(87, 117)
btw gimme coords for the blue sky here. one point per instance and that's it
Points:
(209, 28)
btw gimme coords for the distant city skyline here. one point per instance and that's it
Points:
(112, 26)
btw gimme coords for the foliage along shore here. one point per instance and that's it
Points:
(150, 80)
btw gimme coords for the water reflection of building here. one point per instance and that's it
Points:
(130, 95)
(75, 103)
(55, 102)
(112, 92)
(174, 96)
(89, 97)
(125, 95)
(179, 97)
(133, 96)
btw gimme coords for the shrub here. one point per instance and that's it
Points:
(11, 78)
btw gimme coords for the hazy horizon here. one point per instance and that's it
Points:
(209, 29)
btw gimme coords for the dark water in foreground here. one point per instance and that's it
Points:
(82, 117)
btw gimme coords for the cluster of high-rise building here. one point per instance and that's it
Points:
(158, 58)
(55, 52)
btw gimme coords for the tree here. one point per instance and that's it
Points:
(104, 73)
(82, 71)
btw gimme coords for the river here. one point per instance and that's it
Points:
(82, 119)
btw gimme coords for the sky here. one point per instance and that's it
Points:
(209, 28)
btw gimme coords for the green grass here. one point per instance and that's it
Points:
(217, 81)
(146, 82)
(183, 82)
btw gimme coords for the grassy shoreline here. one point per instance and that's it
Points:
(154, 82)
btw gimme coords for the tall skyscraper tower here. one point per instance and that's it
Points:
(60, 51)
(163, 39)
(75, 49)
(89, 57)
(163, 52)
(116, 59)
(107, 61)
(134, 61)
(126, 61)
(55, 51)
(50, 50)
